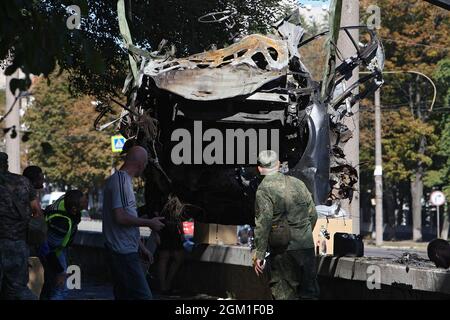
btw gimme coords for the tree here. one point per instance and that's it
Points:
(415, 36)
(63, 140)
(442, 76)
(401, 141)
(439, 174)
(36, 39)
(94, 64)
(314, 55)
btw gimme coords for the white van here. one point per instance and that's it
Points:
(49, 198)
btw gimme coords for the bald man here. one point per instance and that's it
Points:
(121, 229)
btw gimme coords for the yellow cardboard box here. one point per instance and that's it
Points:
(333, 226)
(212, 233)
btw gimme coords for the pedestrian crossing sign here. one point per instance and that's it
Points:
(117, 143)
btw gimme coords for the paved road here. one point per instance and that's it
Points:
(91, 291)
(372, 251)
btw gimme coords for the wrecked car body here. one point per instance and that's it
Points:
(258, 83)
(238, 70)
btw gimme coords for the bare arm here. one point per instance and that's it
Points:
(125, 219)
(36, 210)
(145, 252)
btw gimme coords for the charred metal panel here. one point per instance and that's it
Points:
(237, 70)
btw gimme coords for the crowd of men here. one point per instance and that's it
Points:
(279, 197)
(19, 207)
(285, 217)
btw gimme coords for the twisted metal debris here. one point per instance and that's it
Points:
(258, 82)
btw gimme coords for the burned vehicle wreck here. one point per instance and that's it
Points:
(203, 119)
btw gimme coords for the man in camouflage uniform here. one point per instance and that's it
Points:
(294, 265)
(14, 250)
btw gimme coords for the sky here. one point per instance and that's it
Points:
(317, 3)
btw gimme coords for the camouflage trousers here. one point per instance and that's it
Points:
(293, 275)
(14, 270)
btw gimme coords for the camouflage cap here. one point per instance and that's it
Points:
(267, 159)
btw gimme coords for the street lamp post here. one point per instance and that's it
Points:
(378, 173)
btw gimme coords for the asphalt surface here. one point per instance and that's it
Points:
(90, 291)
(386, 252)
(93, 291)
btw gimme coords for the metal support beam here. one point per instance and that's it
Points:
(350, 17)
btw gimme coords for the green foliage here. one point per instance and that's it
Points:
(442, 76)
(439, 174)
(407, 23)
(63, 141)
(314, 54)
(93, 63)
(402, 133)
(34, 37)
(415, 37)
(35, 33)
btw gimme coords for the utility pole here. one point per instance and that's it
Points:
(350, 17)
(378, 172)
(13, 119)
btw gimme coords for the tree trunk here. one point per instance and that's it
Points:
(446, 224)
(389, 215)
(416, 195)
(411, 101)
(417, 183)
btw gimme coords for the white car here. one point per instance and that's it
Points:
(49, 198)
(332, 211)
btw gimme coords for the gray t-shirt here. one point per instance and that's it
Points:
(118, 193)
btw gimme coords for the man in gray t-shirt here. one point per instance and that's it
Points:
(121, 228)
(118, 193)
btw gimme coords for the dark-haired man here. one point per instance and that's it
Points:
(63, 218)
(35, 175)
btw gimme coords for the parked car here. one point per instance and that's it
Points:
(49, 198)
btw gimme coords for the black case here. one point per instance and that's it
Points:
(346, 244)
